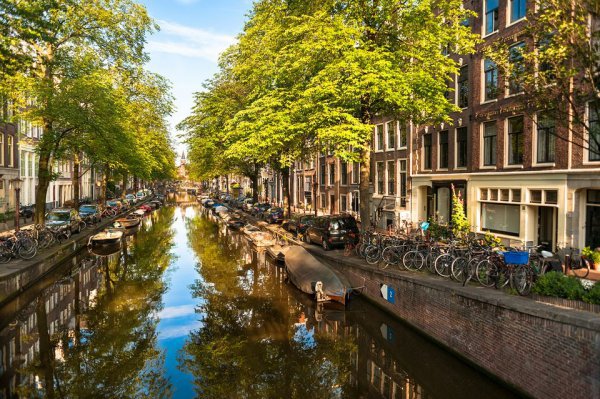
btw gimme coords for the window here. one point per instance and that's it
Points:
(461, 147)
(515, 140)
(489, 143)
(391, 177)
(594, 131)
(380, 177)
(463, 87)
(403, 182)
(515, 58)
(551, 196)
(355, 201)
(355, 172)
(343, 203)
(391, 135)
(379, 137)
(1, 149)
(22, 162)
(501, 218)
(491, 16)
(10, 151)
(323, 201)
(490, 71)
(483, 194)
(344, 173)
(546, 138)
(517, 9)
(323, 173)
(427, 151)
(443, 149)
(516, 195)
(535, 196)
(331, 174)
(402, 134)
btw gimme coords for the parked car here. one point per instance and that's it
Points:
(329, 231)
(63, 217)
(299, 223)
(131, 198)
(259, 208)
(115, 204)
(26, 211)
(273, 215)
(89, 210)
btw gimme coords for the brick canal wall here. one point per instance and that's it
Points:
(542, 350)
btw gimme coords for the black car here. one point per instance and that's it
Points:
(64, 218)
(330, 231)
(273, 215)
(299, 223)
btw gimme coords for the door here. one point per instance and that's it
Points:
(546, 227)
(332, 204)
(592, 226)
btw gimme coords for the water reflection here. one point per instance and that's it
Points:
(93, 331)
(230, 327)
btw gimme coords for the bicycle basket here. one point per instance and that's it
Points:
(516, 257)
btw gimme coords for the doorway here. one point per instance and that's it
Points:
(546, 227)
(332, 204)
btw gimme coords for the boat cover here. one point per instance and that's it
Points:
(304, 270)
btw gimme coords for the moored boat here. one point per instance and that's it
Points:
(106, 237)
(129, 221)
(277, 252)
(314, 277)
(105, 250)
(261, 238)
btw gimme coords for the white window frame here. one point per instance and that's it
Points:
(423, 152)
(391, 124)
(2, 149)
(380, 146)
(400, 144)
(483, 81)
(377, 191)
(439, 152)
(484, 20)
(506, 143)
(586, 151)
(482, 164)
(534, 142)
(456, 149)
(509, 4)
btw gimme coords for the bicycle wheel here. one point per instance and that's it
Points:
(458, 268)
(580, 268)
(486, 272)
(44, 239)
(442, 265)
(522, 278)
(413, 260)
(372, 254)
(5, 254)
(26, 248)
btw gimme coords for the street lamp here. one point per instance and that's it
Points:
(17, 185)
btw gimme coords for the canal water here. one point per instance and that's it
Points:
(185, 308)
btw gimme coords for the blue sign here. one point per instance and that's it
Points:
(388, 293)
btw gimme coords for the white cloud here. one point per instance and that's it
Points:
(190, 42)
(172, 312)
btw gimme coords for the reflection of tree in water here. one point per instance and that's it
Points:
(248, 344)
(111, 352)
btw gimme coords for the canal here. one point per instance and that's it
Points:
(185, 309)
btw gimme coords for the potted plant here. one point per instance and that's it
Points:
(592, 255)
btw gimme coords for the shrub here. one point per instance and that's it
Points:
(558, 285)
(593, 295)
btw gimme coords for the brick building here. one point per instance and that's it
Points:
(519, 179)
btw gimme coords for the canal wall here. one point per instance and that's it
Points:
(540, 349)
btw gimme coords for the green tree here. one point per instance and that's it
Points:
(68, 41)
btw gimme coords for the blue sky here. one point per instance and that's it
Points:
(193, 34)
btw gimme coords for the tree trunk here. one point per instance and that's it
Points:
(103, 186)
(365, 196)
(75, 179)
(124, 189)
(254, 179)
(227, 184)
(136, 183)
(41, 190)
(287, 203)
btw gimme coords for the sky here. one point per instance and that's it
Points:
(186, 49)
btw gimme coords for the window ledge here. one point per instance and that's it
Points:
(486, 35)
(508, 95)
(543, 164)
(487, 167)
(520, 166)
(495, 100)
(442, 170)
(460, 168)
(591, 163)
(516, 22)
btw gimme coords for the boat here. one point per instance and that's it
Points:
(277, 252)
(139, 212)
(235, 223)
(129, 221)
(105, 250)
(314, 277)
(261, 238)
(106, 237)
